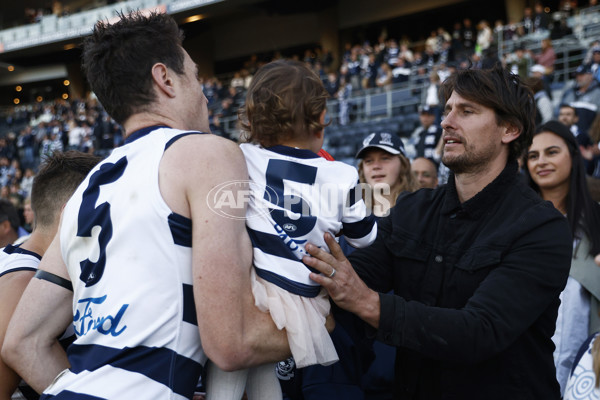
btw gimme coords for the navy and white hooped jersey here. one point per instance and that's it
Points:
(14, 259)
(297, 196)
(129, 258)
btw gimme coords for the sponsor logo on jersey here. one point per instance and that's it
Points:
(87, 318)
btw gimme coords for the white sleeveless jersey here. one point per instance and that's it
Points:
(297, 196)
(130, 261)
(14, 259)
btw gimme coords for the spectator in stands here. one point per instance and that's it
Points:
(555, 170)
(546, 58)
(425, 172)
(567, 115)
(538, 71)
(541, 22)
(432, 99)
(518, 62)
(237, 81)
(27, 215)
(591, 153)
(469, 35)
(595, 62)
(331, 84)
(543, 104)
(10, 224)
(424, 139)
(406, 53)
(369, 72)
(27, 181)
(384, 76)
(584, 95)
(527, 21)
(401, 71)
(560, 28)
(384, 166)
(484, 36)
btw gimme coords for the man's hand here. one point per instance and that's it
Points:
(341, 281)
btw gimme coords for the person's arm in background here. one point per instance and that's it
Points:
(12, 286)
(31, 346)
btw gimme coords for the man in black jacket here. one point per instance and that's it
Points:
(476, 265)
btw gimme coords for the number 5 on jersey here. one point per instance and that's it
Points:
(90, 216)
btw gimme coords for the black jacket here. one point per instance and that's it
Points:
(476, 291)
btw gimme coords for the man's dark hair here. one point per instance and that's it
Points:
(118, 59)
(8, 212)
(57, 179)
(505, 93)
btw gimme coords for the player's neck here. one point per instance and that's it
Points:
(38, 242)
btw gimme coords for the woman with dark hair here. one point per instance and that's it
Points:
(555, 170)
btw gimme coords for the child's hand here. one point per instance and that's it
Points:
(597, 260)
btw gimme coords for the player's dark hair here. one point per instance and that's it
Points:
(502, 91)
(284, 100)
(118, 59)
(55, 182)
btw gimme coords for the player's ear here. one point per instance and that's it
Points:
(162, 77)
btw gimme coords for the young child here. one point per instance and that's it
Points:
(296, 197)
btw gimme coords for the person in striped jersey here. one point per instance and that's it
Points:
(153, 267)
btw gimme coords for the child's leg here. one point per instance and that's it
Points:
(221, 385)
(263, 383)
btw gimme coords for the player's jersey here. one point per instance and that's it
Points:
(130, 261)
(14, 258)
(297, 196)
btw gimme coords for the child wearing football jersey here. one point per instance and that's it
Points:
(296, 196)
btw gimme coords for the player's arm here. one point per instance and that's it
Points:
(12, 286)
(31, 347)
(234, 333)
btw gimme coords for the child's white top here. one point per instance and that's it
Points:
(297, 196)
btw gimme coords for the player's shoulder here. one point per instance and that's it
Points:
(206, 146)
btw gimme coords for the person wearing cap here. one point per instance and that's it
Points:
(584, 95)
(476, 265)
(423, 140)
(386, 169)
(595, 63)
